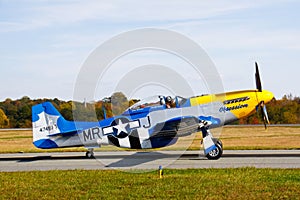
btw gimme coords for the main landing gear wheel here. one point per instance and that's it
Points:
(89, 153)
(217, 152)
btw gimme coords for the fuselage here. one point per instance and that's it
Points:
(150, 125)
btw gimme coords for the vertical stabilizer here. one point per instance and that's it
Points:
(46, 121)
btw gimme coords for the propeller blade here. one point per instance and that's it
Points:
(257, 78)
(263, 109)
(264, 114)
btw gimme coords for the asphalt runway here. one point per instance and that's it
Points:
(130, 160)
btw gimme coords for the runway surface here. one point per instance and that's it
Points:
(130, 160)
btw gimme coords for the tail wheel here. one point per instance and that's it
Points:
(89, 153)
(216, 153)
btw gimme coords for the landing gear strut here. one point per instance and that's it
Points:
(90, 153)
(213, 147)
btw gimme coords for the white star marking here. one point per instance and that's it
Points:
(121, 127)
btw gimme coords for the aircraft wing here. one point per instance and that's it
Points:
(181, 126)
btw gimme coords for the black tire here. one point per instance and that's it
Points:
(89, 154)
(216, 153)
(217, 141)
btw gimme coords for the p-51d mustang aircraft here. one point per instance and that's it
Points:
(151, 123)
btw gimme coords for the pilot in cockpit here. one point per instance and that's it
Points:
(169, 102)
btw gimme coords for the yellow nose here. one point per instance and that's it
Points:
(265, 96)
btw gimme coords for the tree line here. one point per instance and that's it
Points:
(282, 111)
(17, 113)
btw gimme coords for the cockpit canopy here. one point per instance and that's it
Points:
(159, 100)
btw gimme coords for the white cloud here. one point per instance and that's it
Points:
(40, 14)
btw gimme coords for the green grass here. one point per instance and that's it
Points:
(241, 183)
(236, 138)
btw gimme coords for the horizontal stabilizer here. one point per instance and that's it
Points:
(69, 133)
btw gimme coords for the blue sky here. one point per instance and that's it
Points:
(44, 43)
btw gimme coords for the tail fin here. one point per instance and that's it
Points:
(46, 122)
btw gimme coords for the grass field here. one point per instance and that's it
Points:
(233, 138)
(242, 183)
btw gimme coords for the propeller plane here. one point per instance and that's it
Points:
(153, 122)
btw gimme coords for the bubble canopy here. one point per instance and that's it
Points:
(158, 101)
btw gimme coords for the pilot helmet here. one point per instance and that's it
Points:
(168, 99)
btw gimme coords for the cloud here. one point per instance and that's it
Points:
(32, 14)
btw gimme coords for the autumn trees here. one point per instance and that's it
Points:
(17, 113)
(282, 111)
(4, 122)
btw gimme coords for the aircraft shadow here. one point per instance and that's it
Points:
(40, 158)
(140, 158)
